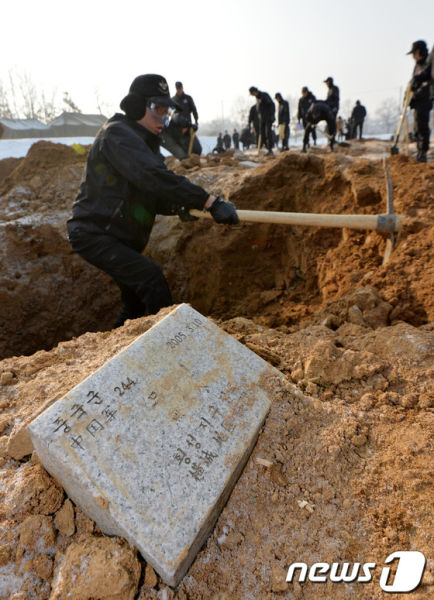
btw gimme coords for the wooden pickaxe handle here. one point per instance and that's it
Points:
(382, 223)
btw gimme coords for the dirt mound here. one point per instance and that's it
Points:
(39, 274)
(7, 165)
(41, 159)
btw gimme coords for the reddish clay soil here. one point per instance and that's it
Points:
(348, 440)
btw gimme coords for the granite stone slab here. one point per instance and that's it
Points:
(151, 444)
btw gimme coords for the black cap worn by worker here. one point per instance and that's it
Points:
(328, 80)
(143, 90)
(419, 45)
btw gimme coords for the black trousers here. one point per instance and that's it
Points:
(144, 289)
(357, 125)
(285, 137)
(421, 126)
(267, 134)
(312, 131)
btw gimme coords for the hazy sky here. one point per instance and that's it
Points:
(218, 48)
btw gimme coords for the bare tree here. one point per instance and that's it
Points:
(29, 94)
(48, 106)
(23, 98)
(240, 110)
(13, 94)
(5, 108)
(69, 102)
(388, 115)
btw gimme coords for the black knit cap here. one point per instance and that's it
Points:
(145, 89)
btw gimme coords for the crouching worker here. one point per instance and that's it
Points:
(179, 137)
(126, 184)
(320, 111)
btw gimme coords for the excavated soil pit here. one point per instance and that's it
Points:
(274, 274)
(342, 470)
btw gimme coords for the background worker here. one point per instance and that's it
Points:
(303, 106)
(358, 116)
(227, 140)
(320, 111)
(176, 137)
(247, 138)
(332, 95)
(254, 123)
(421, 101)
(236, 139)
(126, 184)
(219, 147)
(283, 120)
(186, 104)
(266, 114)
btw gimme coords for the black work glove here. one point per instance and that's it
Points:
(194, 126)
(184, 215)
(224, 212)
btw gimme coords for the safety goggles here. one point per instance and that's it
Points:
(161, 113)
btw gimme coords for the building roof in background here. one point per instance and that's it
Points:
(68, 124)
(70, 118)
(23, 124)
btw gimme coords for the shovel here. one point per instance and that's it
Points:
(190, 145)
(407, 100)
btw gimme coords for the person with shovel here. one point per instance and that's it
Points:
(126, 184)
(421, 101)
(266, 113)
(283, 120)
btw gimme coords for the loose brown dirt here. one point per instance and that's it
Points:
(347, 474)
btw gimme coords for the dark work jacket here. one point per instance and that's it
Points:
(265, 107)
(247, 137)
(421, 83)
(188, 106)
(430, 68)
(358, 114)
(126, 183)
(333, 98)
(303, 105)
(321, 111)
(283, 115)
